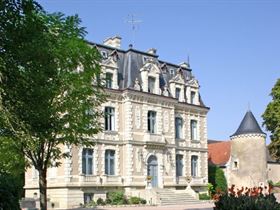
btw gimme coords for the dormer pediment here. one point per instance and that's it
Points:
(110, 62)
(114, 54)
(193, 83)
(151, 67)
(178, 78)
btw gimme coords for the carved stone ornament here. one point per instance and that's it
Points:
(137, 85)
(138, 117)
(166, 121)
(178, 78)
(165, 91)
(150, 67)
(193, 83)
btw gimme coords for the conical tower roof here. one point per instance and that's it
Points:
(248, 125)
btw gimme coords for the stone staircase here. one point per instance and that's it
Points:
(175, 197)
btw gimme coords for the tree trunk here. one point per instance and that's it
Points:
(43, 189)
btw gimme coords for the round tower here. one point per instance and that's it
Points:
(248, 161)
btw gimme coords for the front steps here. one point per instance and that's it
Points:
(175, 197)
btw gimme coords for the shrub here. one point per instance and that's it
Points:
(100, 202)
(108, 201)
(217, 178)
(134, 200)
(90, 204)
(143, 201)
(211, 190)
(246, 199)
(117, 197)
(204, 196)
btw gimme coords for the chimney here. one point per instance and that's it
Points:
(113, 42)
(152, 51)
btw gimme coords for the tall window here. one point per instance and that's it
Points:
(152, 121)
(110, 162)
(177, 93)
(194, 130)
(151, 84)
(109, 80)
(109, 119)
(178, 127)
(179, 165)
(194, 166)
(87, 161)
(192, 97)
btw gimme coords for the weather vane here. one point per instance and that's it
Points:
(131, 20)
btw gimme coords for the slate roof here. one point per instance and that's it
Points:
(248, 125)
(130, 61)
(219, 152)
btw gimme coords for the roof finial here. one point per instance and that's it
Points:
(249, 107)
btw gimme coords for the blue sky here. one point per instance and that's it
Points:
(234, 46)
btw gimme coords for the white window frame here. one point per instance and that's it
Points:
(151, 79)
(86, 157)
(109, 80)
(104, 54)
(107, 163)
(178, 128)
(194, 165)
(151, 121)
(179, 165)
(194, 130)
(109, 124)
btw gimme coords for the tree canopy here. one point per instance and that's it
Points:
(50, 91)
(271, 118)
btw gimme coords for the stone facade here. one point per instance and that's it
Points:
(155, 135)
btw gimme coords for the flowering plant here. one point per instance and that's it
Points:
(257, 198)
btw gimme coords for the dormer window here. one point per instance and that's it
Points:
(171, 72)
(177, 93)
(104, 54)
(192, 97)
(145, 59)
(109, 80)
(151, 84)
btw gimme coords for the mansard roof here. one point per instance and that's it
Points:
(131, 61)
(248, 125)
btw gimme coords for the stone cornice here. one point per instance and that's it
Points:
(249, 135)
(149, 144)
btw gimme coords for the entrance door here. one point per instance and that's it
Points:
(153, 170)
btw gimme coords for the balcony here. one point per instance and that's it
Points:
(154, 138)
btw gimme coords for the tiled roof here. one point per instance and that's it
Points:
(219, 153)
(248, 125)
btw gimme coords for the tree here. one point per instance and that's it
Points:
(50, 91)
(11, 175)
(271, 118)
(217, 178)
